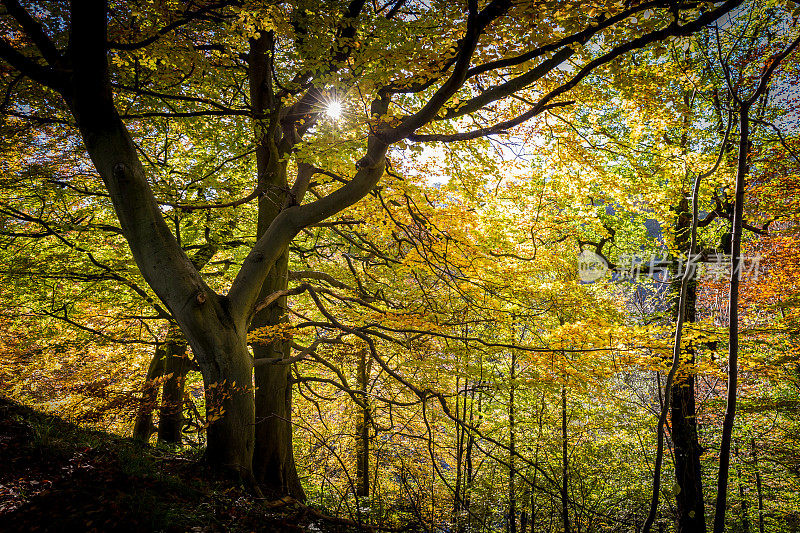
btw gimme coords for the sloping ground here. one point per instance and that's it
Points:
(55, 476)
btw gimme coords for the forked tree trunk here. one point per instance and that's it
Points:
(214, 327)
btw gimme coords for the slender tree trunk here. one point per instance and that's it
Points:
(532, 500)
(143, 426)
(534, 485)
(362, 427)
(459, 415)
(733, 328)
(689, 504)
(176, 366)
(759, 493)
(564, 462)
(523, 516)
(469, 471)
(744, 507)
(512, 497)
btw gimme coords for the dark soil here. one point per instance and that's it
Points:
(55, 476)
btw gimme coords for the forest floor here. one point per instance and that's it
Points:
(56, 476)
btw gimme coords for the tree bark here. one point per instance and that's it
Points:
(689, 503)
(273, 459)
(512, 497)
(143, 426)
(362, 427)
(227, 369)
(759, 493)
(176, 366)
(564, 461)
(733, 327)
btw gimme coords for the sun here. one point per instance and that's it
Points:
(334, 110)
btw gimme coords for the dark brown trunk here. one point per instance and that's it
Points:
(228, 376)
(458, 415)
(690, 508)
(176, 366)
(689, 503)
(733, 326)
(512, 497)
(564, 462)
(759, 494)
(362, 428)
(273, 459)
(469, 471)
(143, 426)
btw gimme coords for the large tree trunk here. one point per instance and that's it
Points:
(213, 326)
(273, 459)
(227, 371)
